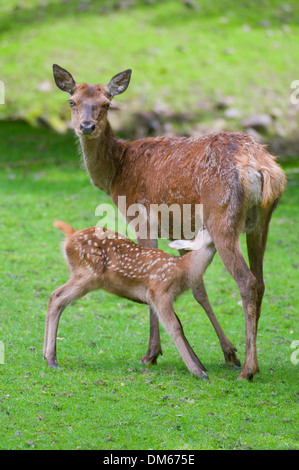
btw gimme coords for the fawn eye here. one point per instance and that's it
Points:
(72, 103)
(107, 105)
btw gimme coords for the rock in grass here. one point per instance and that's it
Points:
(258, 121)
(232, 113)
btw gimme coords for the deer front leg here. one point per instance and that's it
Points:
(154, 346)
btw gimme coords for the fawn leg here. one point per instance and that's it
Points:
(229, 350)
(174, 327)
(201, 296)
(59, 299)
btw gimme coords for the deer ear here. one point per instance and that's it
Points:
(119, 83)
(63, 79)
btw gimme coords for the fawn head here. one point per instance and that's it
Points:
(90, 103)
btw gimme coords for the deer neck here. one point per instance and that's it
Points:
(101, 157)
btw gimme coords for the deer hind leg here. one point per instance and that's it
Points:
(256, 245)
(154, 346)
(59, 300)
(230, 253)
(173, 326)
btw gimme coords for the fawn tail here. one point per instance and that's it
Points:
(67, 229)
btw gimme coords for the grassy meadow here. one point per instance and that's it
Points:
(184, 59)
(102, 398)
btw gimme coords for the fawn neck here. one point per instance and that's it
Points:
(194, 263)
(102, 156)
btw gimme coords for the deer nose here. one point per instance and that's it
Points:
(87, 127)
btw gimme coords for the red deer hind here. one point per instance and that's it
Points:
(234, 177)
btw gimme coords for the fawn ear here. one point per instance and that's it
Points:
(202, 239)
(63, 79)
(119, 83)
(190, 245)
(179, 244)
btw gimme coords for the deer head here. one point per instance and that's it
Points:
(90, 103)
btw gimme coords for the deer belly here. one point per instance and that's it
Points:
(125, 287)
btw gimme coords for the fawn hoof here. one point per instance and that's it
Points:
(202, 375)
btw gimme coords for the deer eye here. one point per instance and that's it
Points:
(107, 105)
(72, 103)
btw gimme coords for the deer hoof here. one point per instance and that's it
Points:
(248, 374)
(52, 363)
(150, 357)
(231, 358)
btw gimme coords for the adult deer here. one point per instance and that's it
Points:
(234, 177)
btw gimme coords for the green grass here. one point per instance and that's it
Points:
(185, 58)
(101, 398)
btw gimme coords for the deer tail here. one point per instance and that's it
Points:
(66, 229)
(273, 184)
